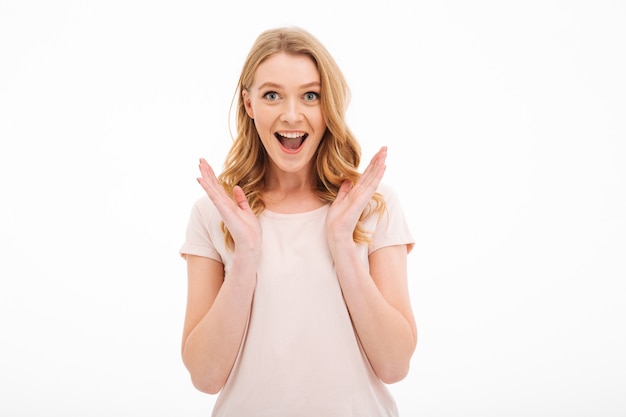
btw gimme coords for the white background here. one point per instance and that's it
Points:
(506, 129)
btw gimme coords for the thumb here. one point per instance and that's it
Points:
(344, 189)
(240, 198)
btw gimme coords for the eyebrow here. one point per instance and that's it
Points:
(270, 84)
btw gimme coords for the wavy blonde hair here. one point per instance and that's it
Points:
(338, 155)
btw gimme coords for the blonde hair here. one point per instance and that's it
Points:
(338, 155)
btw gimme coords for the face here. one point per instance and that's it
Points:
(284, 101)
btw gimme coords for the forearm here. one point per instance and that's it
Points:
(387, 336)
(211, 348)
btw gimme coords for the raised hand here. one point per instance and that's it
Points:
(235, 212)
(345, 211)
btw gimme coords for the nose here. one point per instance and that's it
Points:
(292, 113)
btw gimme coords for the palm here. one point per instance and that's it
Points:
(345, 211)
(237, 215)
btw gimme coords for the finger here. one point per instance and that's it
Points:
(377, 161)
(208, 180)
(344, 189)
(240, 198)
(213, 188)
(206, 170)
(373, 174)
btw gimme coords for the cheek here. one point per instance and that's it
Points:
(263, 127)
(261, 121)
(319, 120)
(262, 115)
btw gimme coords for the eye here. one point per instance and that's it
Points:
(311, 96)
(271, 96)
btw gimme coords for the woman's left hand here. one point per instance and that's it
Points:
(345, 211)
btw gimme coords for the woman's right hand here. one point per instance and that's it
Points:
(236, 213)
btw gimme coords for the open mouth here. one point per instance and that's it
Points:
(291, 141)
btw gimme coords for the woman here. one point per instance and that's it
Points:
(298, 302)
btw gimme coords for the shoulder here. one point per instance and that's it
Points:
(385, 189)
(205, 207)
(204, 212)
(391, 227)
(389, 194)
(204, 236)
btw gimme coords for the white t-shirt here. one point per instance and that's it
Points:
(300, 356)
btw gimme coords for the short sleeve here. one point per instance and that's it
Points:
(203, 233)
(391, 228)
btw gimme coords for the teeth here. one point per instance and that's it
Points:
(291, 135)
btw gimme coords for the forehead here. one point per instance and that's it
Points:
(287, 70)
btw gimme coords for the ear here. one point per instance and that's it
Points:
(245, 96)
